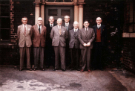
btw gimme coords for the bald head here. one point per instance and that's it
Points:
(75, 24)
(98, 20)
(66, 18)
(39, 21)
(51, 19)
(59, 21)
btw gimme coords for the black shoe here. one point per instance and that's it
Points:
(63, 70)
(43, 69)
(30, 69)
(20, 69)
(34, 69)
(71, 69)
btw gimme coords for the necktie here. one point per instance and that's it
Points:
(24, 30)
(39, 28)
(51, 25)
(59, 30)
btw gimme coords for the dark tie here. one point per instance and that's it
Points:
(39, 29)
(51, 25)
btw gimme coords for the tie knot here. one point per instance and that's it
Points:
(86, 28)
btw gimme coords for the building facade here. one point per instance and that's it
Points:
(117, 15)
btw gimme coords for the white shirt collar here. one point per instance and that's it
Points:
(38, 26)
(85, 28)
(66, 24)
(59, 27)
(75, 30)
(51, 24)
(98, 26)
(25, 26)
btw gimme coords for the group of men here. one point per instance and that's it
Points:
(61, 42)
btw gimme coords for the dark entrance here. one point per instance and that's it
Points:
(59, 12)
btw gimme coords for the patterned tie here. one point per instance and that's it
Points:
(59, 30)
(24, 30)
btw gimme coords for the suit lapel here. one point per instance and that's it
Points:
(57, 30)
(22, 29)
(101, 29)
(88, 32)
(41, 29)
(83, 31)
(37, 31)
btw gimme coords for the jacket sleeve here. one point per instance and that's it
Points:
(18, 33)
(80, 38)
(93, 36)
(31, 31)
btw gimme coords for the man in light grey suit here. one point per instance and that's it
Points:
(24, 34)
(59, 36)
(86, 37)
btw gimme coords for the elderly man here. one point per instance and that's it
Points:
(49, 48)
(59, 35)
(68, 27)
(86, 37)
(74, 46)
(100, 42)
(24, 33)
(38, 38)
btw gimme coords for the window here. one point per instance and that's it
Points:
(59, 0)
(4, 20)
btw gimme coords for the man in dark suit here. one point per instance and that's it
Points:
(100, 43)
(86, 37)
(68, 27)
(38, 38)
(74, 46)
(49, 48)
(24, 33)
(59, 36)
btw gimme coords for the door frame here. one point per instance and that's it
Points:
(71, 8)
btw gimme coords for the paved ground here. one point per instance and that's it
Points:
(13, 80)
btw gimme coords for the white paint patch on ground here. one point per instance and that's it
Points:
(31, 85)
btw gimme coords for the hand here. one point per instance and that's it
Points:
(84, 44)
(88, 44)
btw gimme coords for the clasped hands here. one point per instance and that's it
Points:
(87, 44)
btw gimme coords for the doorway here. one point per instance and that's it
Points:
(59, 12)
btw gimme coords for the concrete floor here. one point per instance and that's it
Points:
(13, 80)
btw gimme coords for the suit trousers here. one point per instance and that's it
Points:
(59, 50)
(74, 52)
(22, 55)
(86, 55)
(39, 52)
(98, 53)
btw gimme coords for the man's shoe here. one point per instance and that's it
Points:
(30, 69)
(82, 70)
(20, 69)
(34, 69)
(89, 70)
(43, 69)
(63, 70)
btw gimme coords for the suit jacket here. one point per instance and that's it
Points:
(38, 39)
(70, 26)
(48, 39)
(85, 37)
(73, 39)
(57, 38)
(103, 34)
(24, 39)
